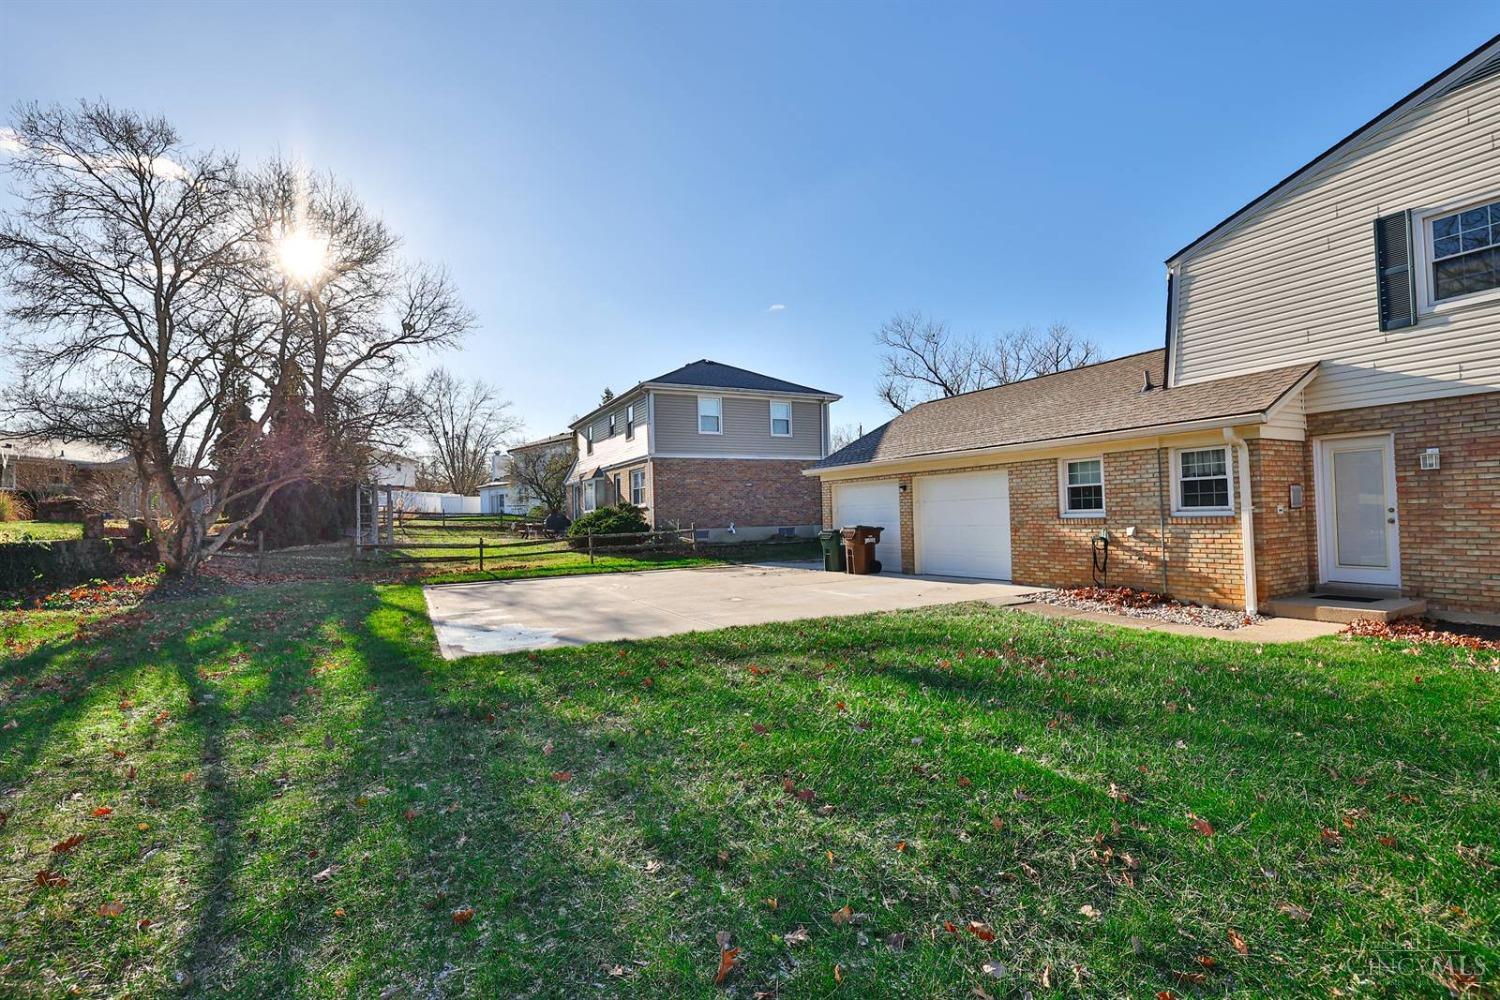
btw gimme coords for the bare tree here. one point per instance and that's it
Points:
(846, 434)
(126, 328)
(464, 423)
(922, 359)
(542, 474)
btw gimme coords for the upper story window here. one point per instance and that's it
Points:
(611, 425)
(629, 421)
(1081, 483)
(1465, 251)
(781, 418)
(710, 415)
(588, 439)
(1202, 481)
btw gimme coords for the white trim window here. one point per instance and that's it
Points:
(630, 422)
(1458, 255)
(1202, 481)
(590, 496)
(710, 415)
(781, 418)
(612, 425)
(588, 439)
(638, 487)
(1080, 485)
(7, 472)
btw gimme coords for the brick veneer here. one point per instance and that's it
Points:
(1449, 517)
(1204, 554)
(712, 492)
(1285, 545)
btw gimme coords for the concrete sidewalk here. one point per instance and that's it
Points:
(511, 615)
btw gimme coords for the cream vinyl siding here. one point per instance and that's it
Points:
(1295, 281)
(609, 450)
(746, 426)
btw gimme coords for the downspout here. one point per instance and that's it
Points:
(1247, 516)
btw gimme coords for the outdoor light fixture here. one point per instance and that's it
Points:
(1429, 460)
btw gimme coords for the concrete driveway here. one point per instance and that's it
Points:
(510, 615)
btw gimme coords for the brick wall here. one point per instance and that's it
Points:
(712, 492)
(1203, 554)
(1450, 517)
(1285, 543)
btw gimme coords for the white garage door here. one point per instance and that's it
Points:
(963, 525)
(876, 504)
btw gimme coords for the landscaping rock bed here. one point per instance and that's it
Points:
(1144, 604)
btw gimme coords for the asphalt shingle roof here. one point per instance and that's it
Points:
(713, 373)
(1096, 399)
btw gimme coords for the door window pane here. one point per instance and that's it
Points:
(1360, 508)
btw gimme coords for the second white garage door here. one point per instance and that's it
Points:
(875, 504)
(963, 525)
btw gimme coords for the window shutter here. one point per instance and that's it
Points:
(1393, 271)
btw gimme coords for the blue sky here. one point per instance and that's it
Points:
(622, 188)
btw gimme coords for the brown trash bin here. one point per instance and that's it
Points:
(859, 548)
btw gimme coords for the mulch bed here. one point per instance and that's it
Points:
(1429, 632)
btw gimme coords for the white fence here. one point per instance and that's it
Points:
(425, 502)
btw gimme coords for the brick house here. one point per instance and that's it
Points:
(709, 445)
(42, 467)
(1324, 415)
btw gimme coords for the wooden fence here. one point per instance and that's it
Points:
(413, 550)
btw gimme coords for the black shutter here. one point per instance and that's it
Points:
(1393, 271)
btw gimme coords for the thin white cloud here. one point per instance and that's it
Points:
(776, 307)
(9, 141)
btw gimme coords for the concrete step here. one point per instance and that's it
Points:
(1325, 607)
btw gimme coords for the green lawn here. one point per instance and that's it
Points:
(38, 531)
(303, 800)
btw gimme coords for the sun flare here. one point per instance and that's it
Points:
(302, 255)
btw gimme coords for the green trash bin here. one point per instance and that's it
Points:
(833, 550)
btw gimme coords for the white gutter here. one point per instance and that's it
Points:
(1247, 516)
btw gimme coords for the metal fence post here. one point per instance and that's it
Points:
(481, 554)
(591, 548)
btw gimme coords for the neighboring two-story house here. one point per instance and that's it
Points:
(708, 446)
(1324, 416)
(506, 492)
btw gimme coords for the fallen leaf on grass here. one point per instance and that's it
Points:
(1089, 911)
(326, 873)
(838, 973)
(51, 879)
(161, 718)
(842, 915)
(1331, 836)
(1203, 826)
(1294, 911)
(143, 924)
(463, 915)
(66, 846)
(771, 902)
(562, 776)
(1190, 978)
(994, 969)
(981, 930)
(1238, 942)
(798, 936)
(104, 810)
(1207, 961)
(113, 908)
(653, 866)
(758, 729)
(547, 749)
(1386, 841)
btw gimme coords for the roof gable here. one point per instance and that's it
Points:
(714, 374)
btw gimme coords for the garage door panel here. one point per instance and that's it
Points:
(963, 525)
(874, 504)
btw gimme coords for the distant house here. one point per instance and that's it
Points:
(391, 468)
(708, 445)
(504, 494)
(49, 467)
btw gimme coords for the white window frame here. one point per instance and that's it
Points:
(7, 472)
(612, 424)
(590, 497)
(588, 438)
(1062, 488)
(718, 413)
(630, 422)
(1178, 510)
(788, 404)
(638, 486)
(1421, 224)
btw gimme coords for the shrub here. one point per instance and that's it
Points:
(13, 507)
(621, 519)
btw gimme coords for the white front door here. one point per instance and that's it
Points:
(963, 525)
(1358, 538)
